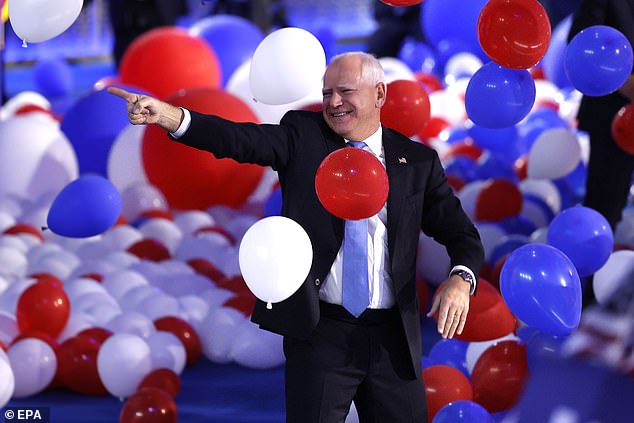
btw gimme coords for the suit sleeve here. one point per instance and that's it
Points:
(446, 222)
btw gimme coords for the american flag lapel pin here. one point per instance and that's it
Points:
(402, 160)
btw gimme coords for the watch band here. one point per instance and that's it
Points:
(467, 277)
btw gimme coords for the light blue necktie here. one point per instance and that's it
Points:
(356, 295)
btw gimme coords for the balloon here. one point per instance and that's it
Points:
(444, 384)
(218, 333)
(197, 179)
(462, 411)
(475, 349)
(500, 141)
(97, 334)
(555, 154)
(88, 206)
(7, 380)
(185, 333)
(287, 65)
(149, 405)
(168, 352)
(499, 375)
(585, 236)
(616, 273)
(150, 249)
(36, 21)
(489, 317)
(450, 352)
(598, 60)
(155, 62)
(453, 21)
(351, 183)
(273, 205)
(541, 287)
(406, 107)
(401, 2)
(43, 307)
(77, 366)
(275, 256)
(553, 62)
(34, 364)
(122, 362)
(498, 199)
(232, 38)
(514, 33)
(418, 56)
(53, 78)
(513, 91)
(255, 348)
(164, 379)
(125, 164)
(35, 157)
(623, 128)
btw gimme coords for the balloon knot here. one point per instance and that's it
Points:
(269, 306)
(44, 228)
(24, 44)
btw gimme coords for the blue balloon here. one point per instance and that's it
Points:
(451, 352)
(453, 21)
(462, 167)
(418, 56)
(53, 78)
(553, 61)
(462, 411)
(493, 167)
(518, 225)
(500, 141)
(598, 60)
(454, 135)
(427, 362)
(92, 125)
(507, 245)
(498, 97)
(273, 205)
(86, 207)
(541, 345)
(535, 123)
(539, 202)
(584, 235)
(233, 39)
(541, 287)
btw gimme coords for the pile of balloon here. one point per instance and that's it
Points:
(126, 257)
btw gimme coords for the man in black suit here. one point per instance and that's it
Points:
(333, 357)
(609, 167)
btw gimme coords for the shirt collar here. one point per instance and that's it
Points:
(374, 141)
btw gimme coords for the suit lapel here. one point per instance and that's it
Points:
(396, 167)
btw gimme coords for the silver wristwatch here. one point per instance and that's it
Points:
(466, 276)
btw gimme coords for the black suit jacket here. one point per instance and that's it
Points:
(419, 198)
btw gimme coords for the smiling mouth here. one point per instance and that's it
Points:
(339, 114)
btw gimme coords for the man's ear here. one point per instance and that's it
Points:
(381, 93)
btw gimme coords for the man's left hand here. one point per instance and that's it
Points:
(452, 303)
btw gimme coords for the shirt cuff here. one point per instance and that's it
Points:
(184, 126)
(466, 269)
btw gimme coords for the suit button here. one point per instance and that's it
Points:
(317, 282)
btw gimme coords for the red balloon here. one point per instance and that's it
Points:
(195, 179)
(521, 167)
(499, 375)
(433, 128)
(623, 128)
(444, 384)
(150, 249)
(97, 334)
(514, 33)
(77, 366)
(48, 278)
(243, 303)
(164, 379)
(94, 276)
(149, 405)
(462, 149)
(234, 284)
(43, 307)
(23, 228)
(185, 333)
(206, 268)
(3, 347)
(219, 230)
(455, 183)
(406, 107)
(352, 184)
(165, 60)
(429, 81)
(422, 290)
(498, 200)
(489, 317)
(156, 213)
(401, 2)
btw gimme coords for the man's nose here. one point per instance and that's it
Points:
(335, 100)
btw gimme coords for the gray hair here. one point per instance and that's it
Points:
(371, 69)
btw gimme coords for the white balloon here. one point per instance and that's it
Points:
(77, 321)
(461, 65)
(91, 266)
(7, 381)
(121, 237)
(34, 364)
(158, 305)
(122, 362)
(35, 157)
(449, 106)
(468, 196)
(554, 154)
(192, 220)
(133, 323)
(433, 260)
(120, 282)
(6, 220)
(624, 233)
(544, 189)
(167, 351)
(539, 236)
(216, 297)
(286, 66)
(217, 332)
(10, 296)
(125, 164)
(275, 257)
(22, 99)
(193, 308)
(77, 287)
(13, 261)
(40, 20)
(395, 69)
(8, 328)
(132, 298)
(140, 197)
(120, 259)
(490, 235)
(163, 230)
(616, 272)
(90, 300)
(256, 348)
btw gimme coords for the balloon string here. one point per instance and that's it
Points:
(269, 306)
(24, 45)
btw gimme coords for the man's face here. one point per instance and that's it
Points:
(351, 106)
